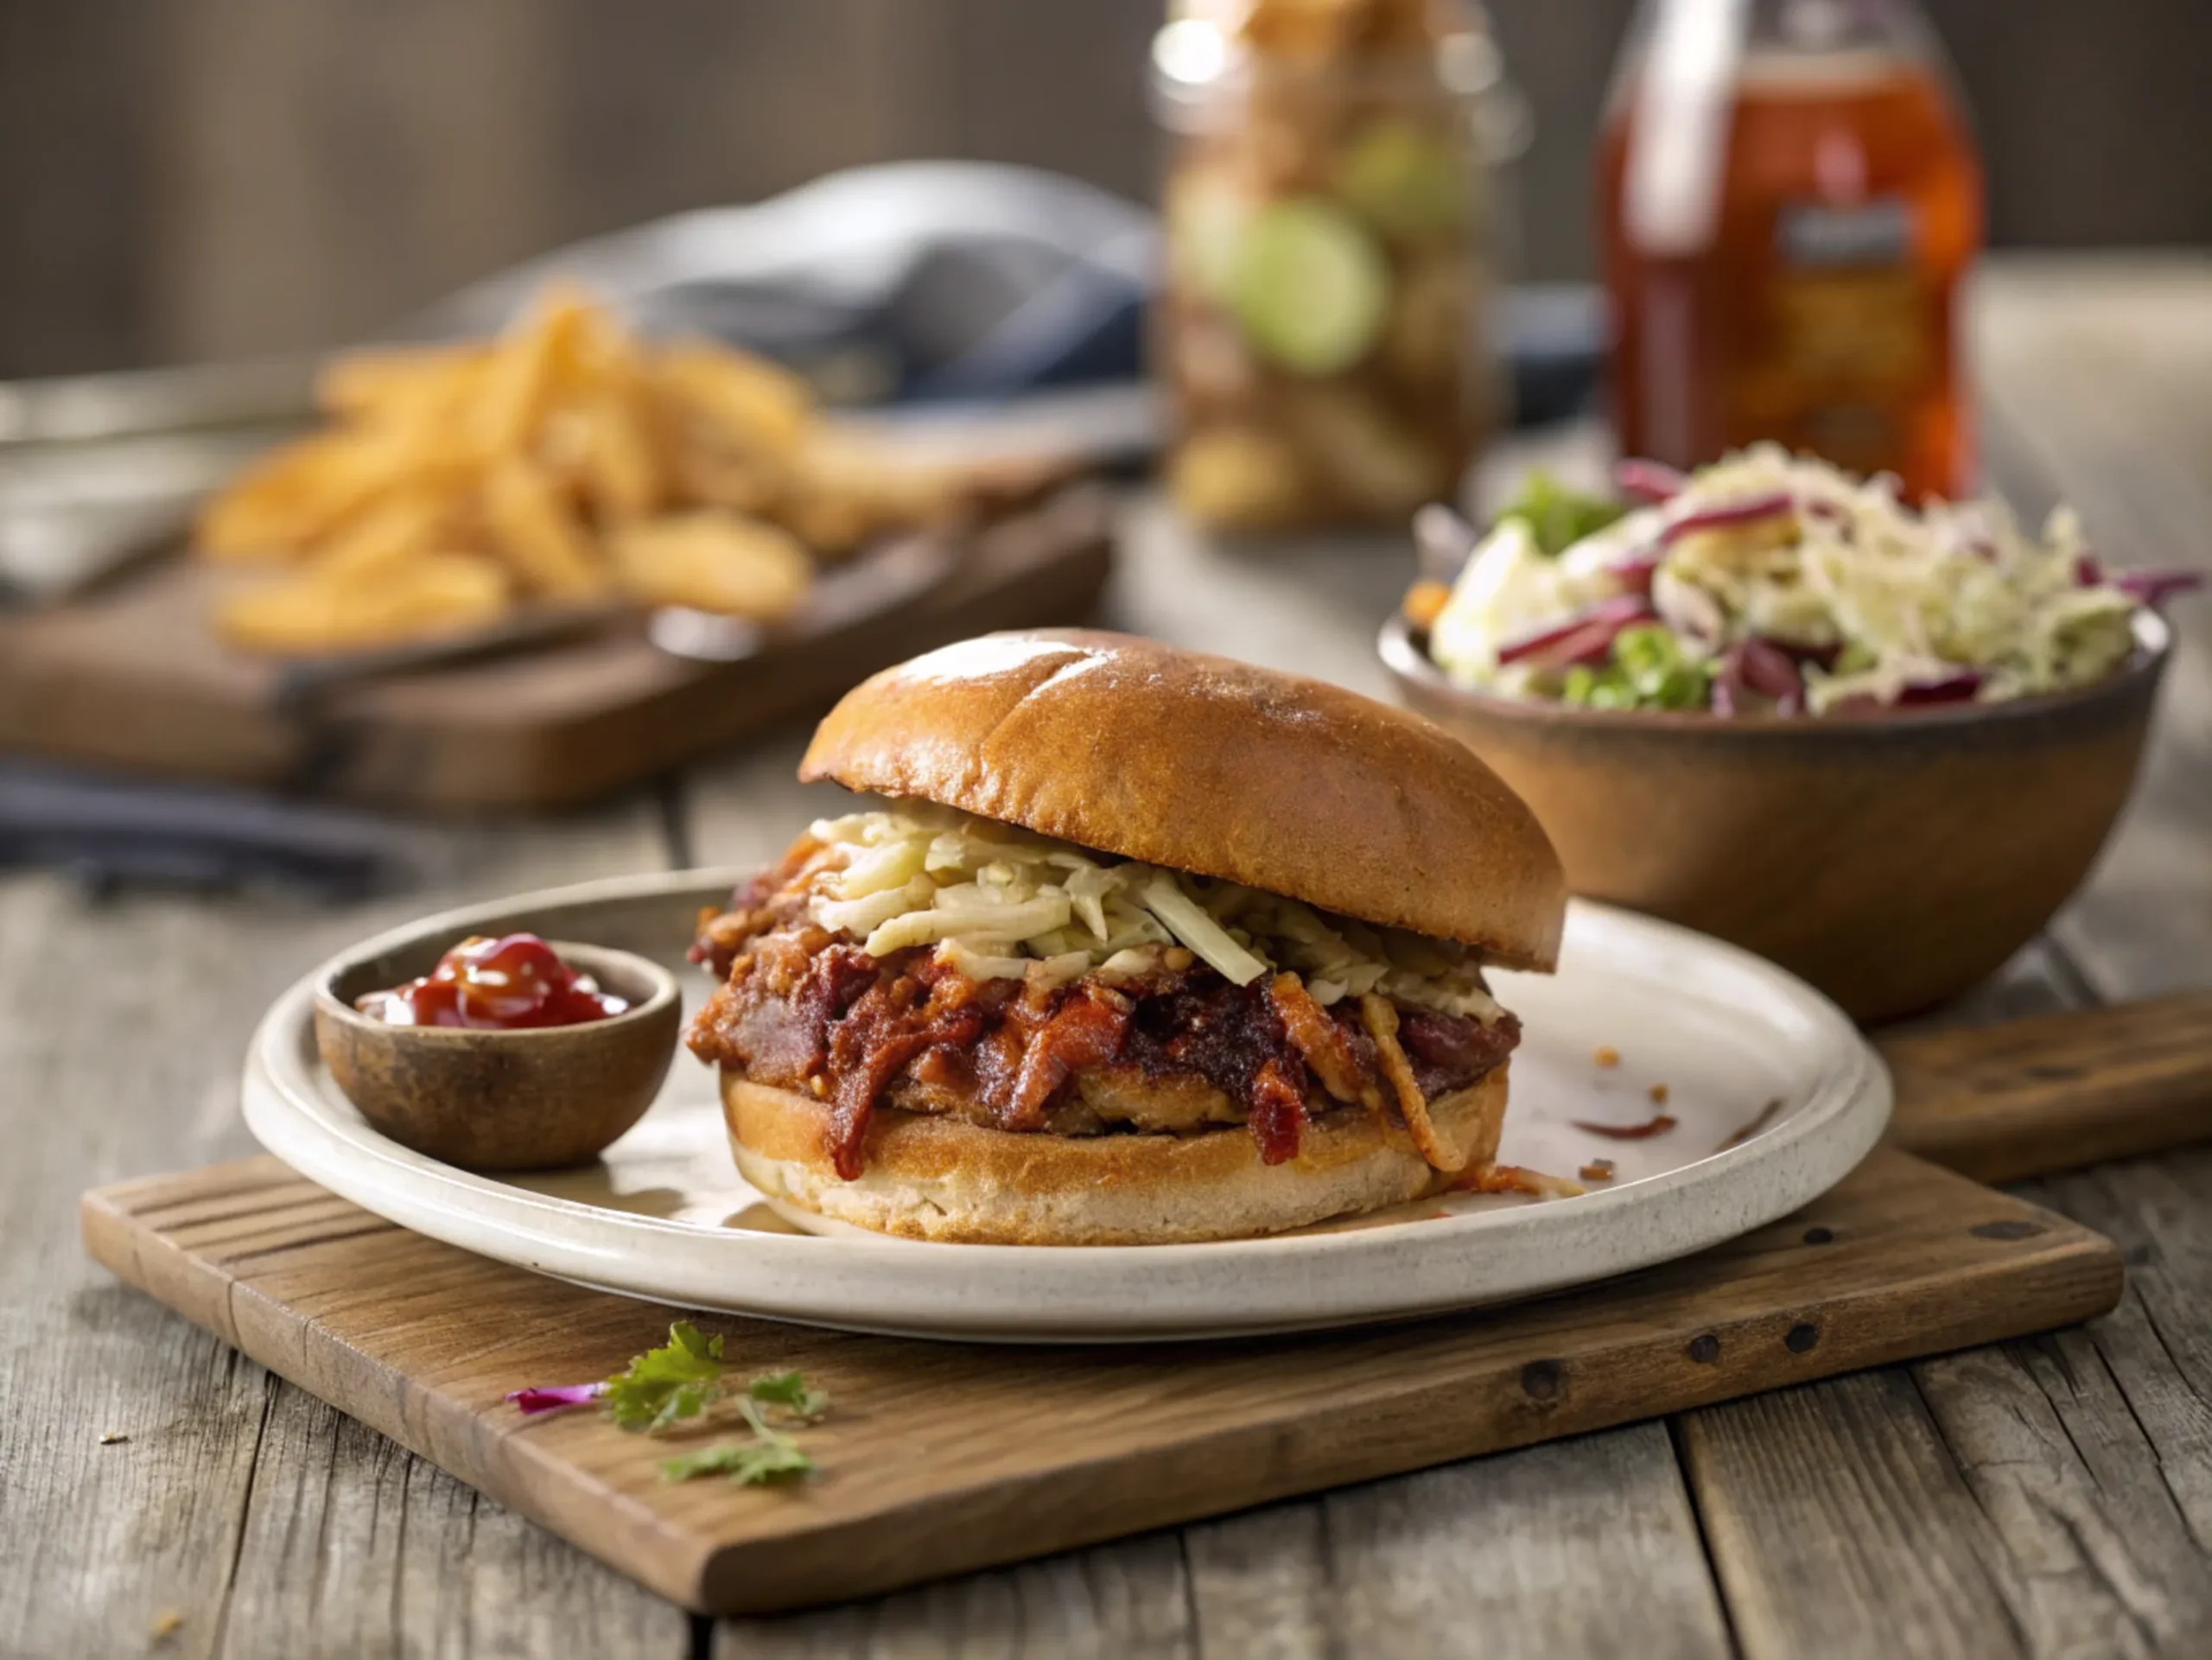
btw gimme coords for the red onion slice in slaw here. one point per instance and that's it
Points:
(1729, 692)
(1648, 481)
(1636, 572)
(1584, 638)
(1958, 687)
(2155, 587)
(1806, 650)
(1755, 671)
(1771, 672)
(1727, 516)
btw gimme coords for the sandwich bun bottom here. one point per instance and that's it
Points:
(928, 1177)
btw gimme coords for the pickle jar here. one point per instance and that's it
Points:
(1331, 252)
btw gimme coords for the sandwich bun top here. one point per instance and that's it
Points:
(1212, 766)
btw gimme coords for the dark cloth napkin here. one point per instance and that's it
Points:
(114, 833)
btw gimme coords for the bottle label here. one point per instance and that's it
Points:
(1817, 234)
(1848, 337)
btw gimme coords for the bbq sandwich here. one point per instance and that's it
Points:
(1139, 946)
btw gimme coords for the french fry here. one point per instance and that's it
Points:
(393, 531)
(284, 502)
(705, 471)
(621, 476)
(507, 406)
(533, 530)
(713, 561)
(315, 613)
(398, 378)
(756, 403)
(592, 357)
(847, 490)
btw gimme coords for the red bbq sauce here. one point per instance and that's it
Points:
(506, 984)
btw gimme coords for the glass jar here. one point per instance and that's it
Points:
(1791, 200)
(1322, 331)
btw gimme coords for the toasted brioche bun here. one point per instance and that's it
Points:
(1215, 768)
(929, 1177)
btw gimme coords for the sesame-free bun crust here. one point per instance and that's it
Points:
(1212, 766)
(928, 1177)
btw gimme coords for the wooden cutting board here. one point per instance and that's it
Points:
(2055, 1091)
(939, 1458)
(129, 676)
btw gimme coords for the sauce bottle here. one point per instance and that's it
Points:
(1790, 198)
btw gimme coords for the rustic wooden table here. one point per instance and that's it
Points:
(2046, 1498)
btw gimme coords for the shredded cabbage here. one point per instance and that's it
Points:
(1872, 598)
(999, 903)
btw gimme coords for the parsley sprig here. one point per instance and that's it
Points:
(666, 1385)
(770, 1455)
(681, 1380)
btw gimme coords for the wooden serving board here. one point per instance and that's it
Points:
(130, 676)
(939, 1458)
(2055, 1091)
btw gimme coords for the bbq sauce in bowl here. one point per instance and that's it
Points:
(510, 1053)
(515, 982)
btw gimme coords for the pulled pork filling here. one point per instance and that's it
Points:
(935, 963)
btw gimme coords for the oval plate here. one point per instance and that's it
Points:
(1775, 1096)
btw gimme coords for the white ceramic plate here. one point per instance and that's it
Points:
(666, 1216)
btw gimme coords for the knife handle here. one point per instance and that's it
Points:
(2055, 1091)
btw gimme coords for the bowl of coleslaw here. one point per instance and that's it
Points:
(1878, 744)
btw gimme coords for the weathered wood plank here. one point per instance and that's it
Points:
(235, 1503)
(1583, 1547)
(353, 1545)
(2158, 1344)
(2097, 1557)
(1128, 1599)
(1840, 1526)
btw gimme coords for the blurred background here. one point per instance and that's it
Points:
(185, 180)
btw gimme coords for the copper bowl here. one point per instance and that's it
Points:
(527, 1099)
(1893, 860)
